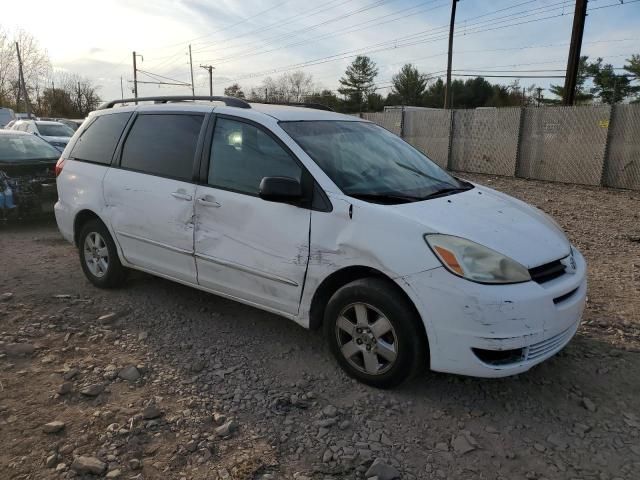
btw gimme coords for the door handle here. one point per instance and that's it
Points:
(208, 203)
(182, 196)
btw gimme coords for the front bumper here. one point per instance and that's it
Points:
(534, 321)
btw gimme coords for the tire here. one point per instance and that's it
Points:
(380, 354)
(99, 256)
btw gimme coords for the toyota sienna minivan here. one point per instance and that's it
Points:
(325, 219)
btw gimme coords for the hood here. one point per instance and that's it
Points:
(495, 220)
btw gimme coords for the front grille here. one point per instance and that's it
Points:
(547, 272)
(549, 345)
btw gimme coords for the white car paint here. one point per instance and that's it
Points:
(274, 256)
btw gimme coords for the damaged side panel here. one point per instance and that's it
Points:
(368, 237)
(152, 220)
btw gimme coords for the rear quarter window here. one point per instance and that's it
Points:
(163, 145)
(98, 141)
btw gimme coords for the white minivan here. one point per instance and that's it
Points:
(327, 220)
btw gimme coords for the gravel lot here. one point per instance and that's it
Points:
(160, 381)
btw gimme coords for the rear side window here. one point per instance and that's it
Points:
(163, 145)
(98, 141)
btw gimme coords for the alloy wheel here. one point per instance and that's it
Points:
(366, 338)
(96, 254)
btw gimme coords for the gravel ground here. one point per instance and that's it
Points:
(160, 381)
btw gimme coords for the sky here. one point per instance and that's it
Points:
(246, 40)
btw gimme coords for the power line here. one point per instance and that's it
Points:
(433, 31)
(409, 40)
(280, 23)
(305, 30)
(437, 32)
(349, 29)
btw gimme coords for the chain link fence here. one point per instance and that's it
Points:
(589, 145)
(485, 140)
(622, 168)
(429, 132)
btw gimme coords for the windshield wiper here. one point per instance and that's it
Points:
(442, 192)
(385, 198)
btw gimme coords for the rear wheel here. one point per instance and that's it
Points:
(99, 257)
(374, 333)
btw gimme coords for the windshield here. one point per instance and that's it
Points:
(16, 148)
(54, 130)
(365, 160)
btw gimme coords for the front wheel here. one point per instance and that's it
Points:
(374, 333)
(99, 257)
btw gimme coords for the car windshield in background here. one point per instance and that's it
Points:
(54, 130)
(368, 162)
(18, 148)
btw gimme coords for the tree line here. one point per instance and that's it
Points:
(598, 82)
(49, 92)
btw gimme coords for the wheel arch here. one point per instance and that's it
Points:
(346, 275)
(82, 217)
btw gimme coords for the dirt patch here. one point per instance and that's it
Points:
(202, 361)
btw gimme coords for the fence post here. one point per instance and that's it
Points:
(402, 122)
(519, 142)
(607, 144)
(452, 113)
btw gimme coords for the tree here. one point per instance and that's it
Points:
(409, 85)
(234, 91)
(582, 95)
(288, 88)
(633, 68)
(608, 86)
(358, 80)
(35, 66)
(67, 95)
(434, 96)
(325, 97)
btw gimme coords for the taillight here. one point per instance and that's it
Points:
(59, 166)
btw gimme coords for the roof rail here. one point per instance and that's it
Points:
(316, 106)
(228, 101)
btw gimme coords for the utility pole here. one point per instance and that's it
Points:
(121, 89)
(135, 75)
(193, 87)
(21, 82)
(210, 69)
(573, 62)
(447, 89)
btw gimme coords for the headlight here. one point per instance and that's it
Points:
(475, 262)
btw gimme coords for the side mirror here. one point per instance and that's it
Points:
(280, 189)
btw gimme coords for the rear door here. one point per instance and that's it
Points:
(246, 247)
(150, 193)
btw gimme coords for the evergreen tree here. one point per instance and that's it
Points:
(608, 86)
(410, 85)
(633, 68)
(357, 82)
(582, 95)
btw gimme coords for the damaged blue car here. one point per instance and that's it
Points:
(27, 175)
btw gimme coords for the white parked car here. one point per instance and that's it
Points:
(56, 133)
(327, 220)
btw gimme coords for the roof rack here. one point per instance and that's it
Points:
(316, 106)
(228, 101)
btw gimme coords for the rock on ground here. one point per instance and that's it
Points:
(88, 465)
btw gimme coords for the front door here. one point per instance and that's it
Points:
(150, 198)
(245, 247)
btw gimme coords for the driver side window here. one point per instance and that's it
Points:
(242, 155)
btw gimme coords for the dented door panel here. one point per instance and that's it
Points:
(152, 220)
(251, 249)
